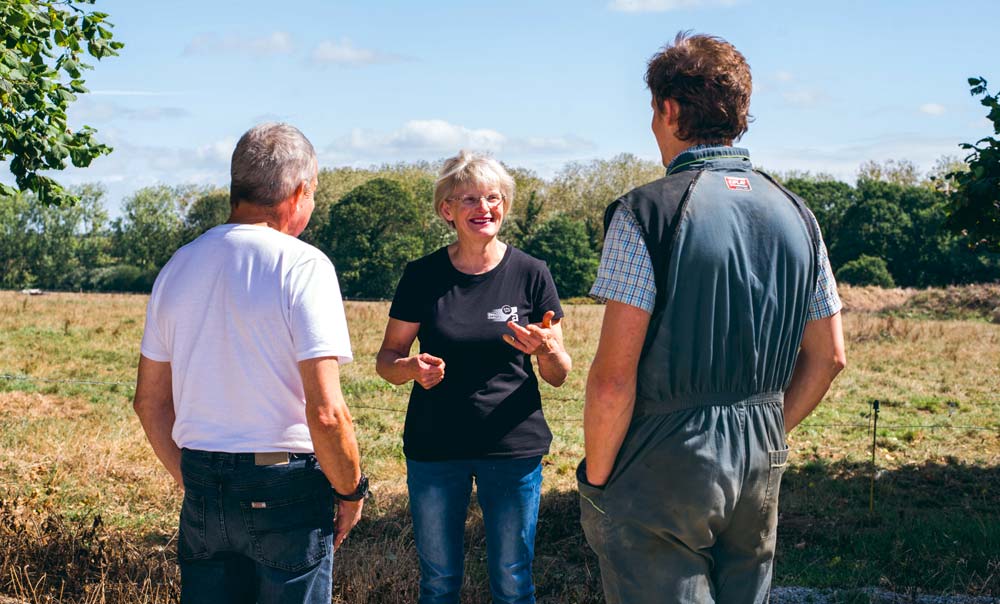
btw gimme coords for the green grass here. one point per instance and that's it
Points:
(73, 453)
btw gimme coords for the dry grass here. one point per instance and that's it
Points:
(71, 453)
(981, 301)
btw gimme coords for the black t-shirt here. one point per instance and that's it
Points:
(488, 404)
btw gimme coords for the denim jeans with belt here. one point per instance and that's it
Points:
(509, 491)
(252, 533)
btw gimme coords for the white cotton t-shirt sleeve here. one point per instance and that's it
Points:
(316, 312)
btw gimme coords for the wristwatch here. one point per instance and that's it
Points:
(358, 494)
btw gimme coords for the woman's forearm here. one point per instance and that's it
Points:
(394, 367)
(555, 367)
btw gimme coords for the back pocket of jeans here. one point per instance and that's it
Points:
(291, 534)
(778, 462)
(191, 543)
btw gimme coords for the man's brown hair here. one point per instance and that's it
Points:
(710, 80)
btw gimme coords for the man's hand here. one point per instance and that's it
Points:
(348, 514)
(537, 338)
(428, 370)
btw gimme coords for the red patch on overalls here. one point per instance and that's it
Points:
(738, 183)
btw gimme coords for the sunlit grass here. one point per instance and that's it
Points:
(76, 451)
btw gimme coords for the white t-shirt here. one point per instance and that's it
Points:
(233, 312)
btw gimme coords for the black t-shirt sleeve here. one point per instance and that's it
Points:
(407, 304)
(546, 297)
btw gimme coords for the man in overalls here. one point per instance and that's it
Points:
(721, 332)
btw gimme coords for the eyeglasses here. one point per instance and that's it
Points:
(471, 201)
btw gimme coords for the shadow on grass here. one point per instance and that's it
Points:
(935, 527)
(45, 557)
(378, 564)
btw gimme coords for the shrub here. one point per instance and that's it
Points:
(866, 270)
(122, 278)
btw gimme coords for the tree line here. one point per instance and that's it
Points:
(887, 228)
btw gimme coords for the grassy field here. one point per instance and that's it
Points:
(87, 515)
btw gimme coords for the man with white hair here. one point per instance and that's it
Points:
(239, 389)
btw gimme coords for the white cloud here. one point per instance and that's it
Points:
(424, 135)
(843, 160)
(135, 164)
(784, 76)
(220, 151)
(804, 97)
(932, 109)
(419, 138)
(89, 110)
(329, 52)
(111, 92)
(275, 43)
(659, 6)
(131, 167)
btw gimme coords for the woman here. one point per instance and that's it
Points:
(481, 309)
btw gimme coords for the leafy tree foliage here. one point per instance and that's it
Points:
(151, 227)
(975, 208)
(417, 178)
(51, 246)
(207, 210)
(41, 72)
(524, 223)
(866, 270)
(563, 244)
(828, 199)
(371, 234)
(585, 189)
(372, 221)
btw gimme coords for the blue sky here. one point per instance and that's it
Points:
(537, 83)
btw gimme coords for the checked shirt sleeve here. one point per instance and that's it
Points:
(625, 273)
(826, 301)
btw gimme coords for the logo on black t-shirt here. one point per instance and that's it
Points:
(503, 314)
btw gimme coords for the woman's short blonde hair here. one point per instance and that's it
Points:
(470, 168)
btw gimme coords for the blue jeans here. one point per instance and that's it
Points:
(253, 533)
(508, 491)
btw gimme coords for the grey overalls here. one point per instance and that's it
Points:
(690, 510)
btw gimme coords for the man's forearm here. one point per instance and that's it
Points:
(158, 423)
(611, 387)
(606, 417)
(330, 424)
(821, 358)
(810, 382)
(154, 405)
(336, 446)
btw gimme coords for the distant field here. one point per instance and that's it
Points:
(73, 452)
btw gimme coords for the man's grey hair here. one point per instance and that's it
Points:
(269, 163)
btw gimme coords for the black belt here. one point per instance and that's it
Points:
(269, 458)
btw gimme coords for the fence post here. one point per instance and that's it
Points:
(871, 492)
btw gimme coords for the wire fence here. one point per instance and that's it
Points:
(874, 406)
(871, 425)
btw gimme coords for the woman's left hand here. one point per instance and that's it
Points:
(537, 338)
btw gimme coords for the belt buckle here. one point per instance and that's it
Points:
(279, 458)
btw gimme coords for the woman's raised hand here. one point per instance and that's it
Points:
(537, 338)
